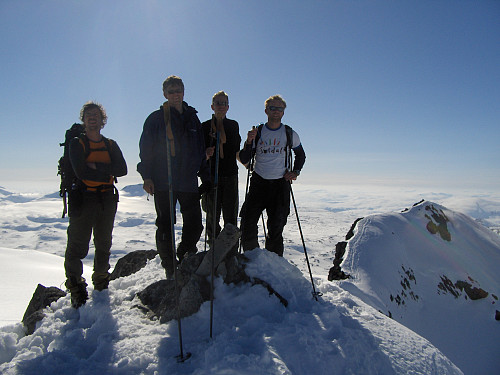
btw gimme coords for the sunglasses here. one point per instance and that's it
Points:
(172, 92)
(273, 108)
(222, 104)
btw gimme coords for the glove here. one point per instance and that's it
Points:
(204, 188)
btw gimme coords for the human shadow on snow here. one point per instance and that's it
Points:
(84, 344)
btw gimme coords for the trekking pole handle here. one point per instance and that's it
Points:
(253, 140)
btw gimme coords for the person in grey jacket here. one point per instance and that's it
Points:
(178, 123)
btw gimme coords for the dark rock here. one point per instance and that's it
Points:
(233, 270)
(270, 290)
(472, 292)
(456, 289)
(497, 315)
(160, 297)
(350, 233)
(42, 297)
(419, 202)
(440, 218)
(153, 295)
(132, 262)
(223, 245)
(447, 286)
(336, 272)
(190, 264)
(414, 205)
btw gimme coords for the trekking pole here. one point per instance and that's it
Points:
(206, 212)
(214, 226)
(206, 208)
(263, 225)
(314, 293)
(180, 357)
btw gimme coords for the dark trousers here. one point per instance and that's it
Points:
(274, 197)
(227, 204)
(95, 215)
(191, 227)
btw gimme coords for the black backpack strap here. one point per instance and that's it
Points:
(86, 144)
(289, 136)
(108, 143)
(259, 133)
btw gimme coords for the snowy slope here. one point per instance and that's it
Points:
(254, 333)
(401, 268)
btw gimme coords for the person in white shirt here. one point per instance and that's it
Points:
(273, 173)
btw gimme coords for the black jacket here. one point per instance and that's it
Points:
(189, 161)
(105, 172)
(227, 165)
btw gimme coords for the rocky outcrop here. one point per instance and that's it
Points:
(132, 262)
(460, 287)
(42, 297)
(336, 272)
(437, 222)
(159, 300)
(190, 288)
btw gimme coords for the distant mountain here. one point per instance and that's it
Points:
(15, 198)
(134, 190)
(4, 192)
(129, 190)
(52, 196)
(435, 271)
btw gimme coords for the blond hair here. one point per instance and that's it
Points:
(220, 93)
(275, 97)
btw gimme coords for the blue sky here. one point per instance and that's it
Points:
(399, 92)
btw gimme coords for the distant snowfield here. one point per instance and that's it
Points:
(32, 244)
(22, 271)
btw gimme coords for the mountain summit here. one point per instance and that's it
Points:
(435, 271)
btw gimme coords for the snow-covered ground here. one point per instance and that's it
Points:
(343, 333)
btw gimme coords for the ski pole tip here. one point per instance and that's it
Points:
(182, 358)
(316, 295)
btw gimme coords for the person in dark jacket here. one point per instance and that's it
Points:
(178, 122)
(97, 161)
(229, 147)
(270, 183)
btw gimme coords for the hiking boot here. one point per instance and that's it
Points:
(78, 290)
(189, 254)
(183, 252)
(100, 280)
(79, 297)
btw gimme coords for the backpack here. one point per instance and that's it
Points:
(69, 181)
(64, 168)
